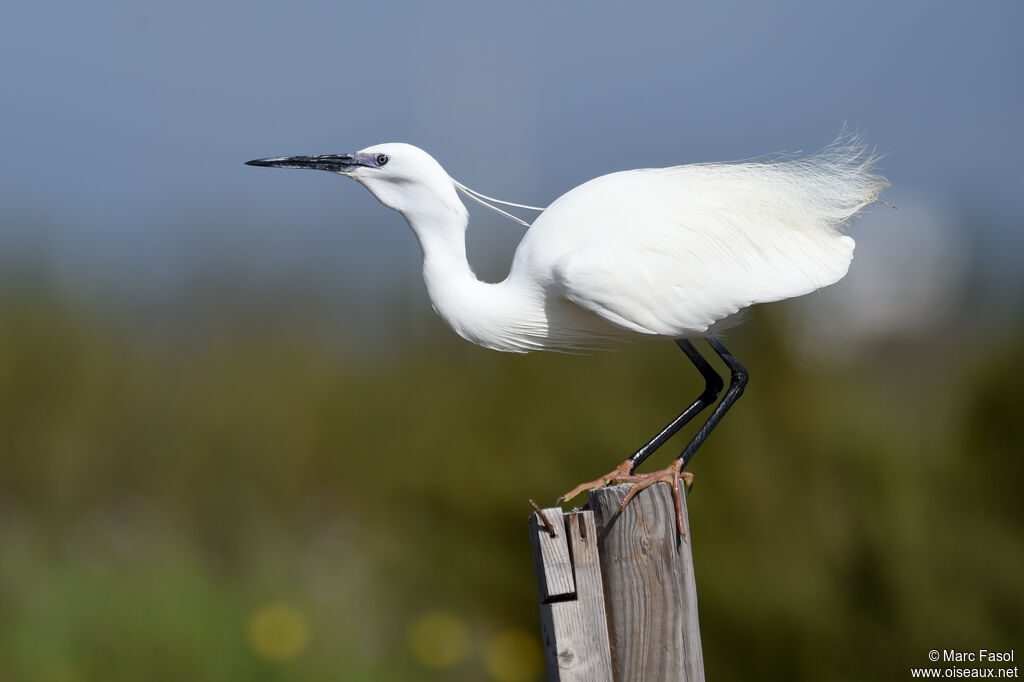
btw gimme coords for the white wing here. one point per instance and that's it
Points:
(671, 251)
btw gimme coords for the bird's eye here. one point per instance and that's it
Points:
(382, 159)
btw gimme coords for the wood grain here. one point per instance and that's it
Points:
(650, 589)
(573, 624)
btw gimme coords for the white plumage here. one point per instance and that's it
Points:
(663, 252)
(666, 252)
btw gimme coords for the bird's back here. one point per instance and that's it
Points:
(671, 251)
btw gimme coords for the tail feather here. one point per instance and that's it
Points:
(839, 181)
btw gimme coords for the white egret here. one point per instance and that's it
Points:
(671, 253)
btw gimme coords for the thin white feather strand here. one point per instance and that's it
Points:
(483, 200)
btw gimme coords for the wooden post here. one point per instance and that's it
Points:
(649, 590)
(572, 616)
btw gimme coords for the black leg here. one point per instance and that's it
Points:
(712, 387)
(674, 474)
(737, 382)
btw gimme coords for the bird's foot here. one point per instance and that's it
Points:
(673, 475)
(617, 475)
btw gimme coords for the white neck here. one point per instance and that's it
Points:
(446, 270)
(499, 316)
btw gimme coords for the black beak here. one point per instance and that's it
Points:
(334, 163)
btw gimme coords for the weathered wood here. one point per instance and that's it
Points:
(573, 621)
(650, 590)
(552, 553)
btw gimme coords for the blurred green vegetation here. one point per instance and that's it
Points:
(262, 500)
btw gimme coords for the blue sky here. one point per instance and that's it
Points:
(126, 123)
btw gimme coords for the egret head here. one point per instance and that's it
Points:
(401, 176)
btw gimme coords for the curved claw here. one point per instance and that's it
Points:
(677, 497)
